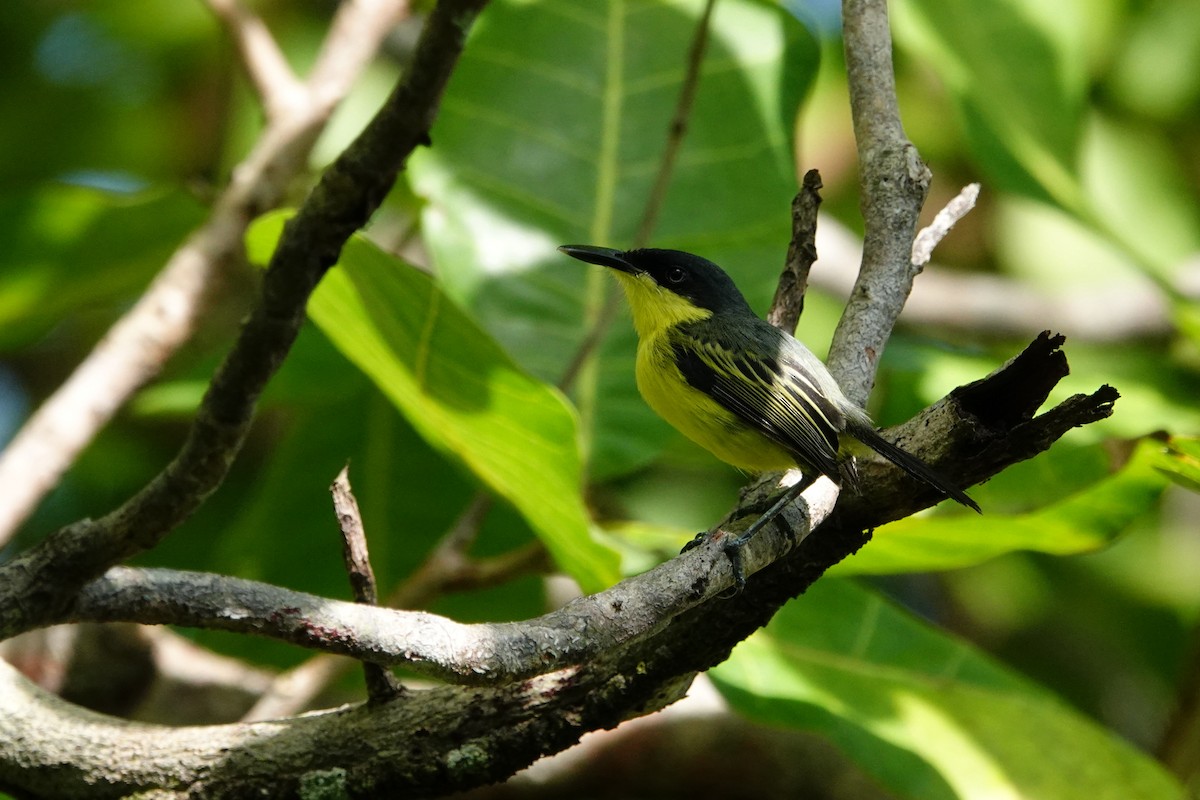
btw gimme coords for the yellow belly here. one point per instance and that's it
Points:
(699, 417)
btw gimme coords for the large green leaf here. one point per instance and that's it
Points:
(1082, 522)
(276, 522)
(465, 396)
(923, 712)
(1014, 71)
(552, 130)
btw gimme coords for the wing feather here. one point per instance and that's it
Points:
(771, 393)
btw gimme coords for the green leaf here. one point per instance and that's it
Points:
(1180, 461)
(278, 524)
(1085, 521)
(1141, 198)
(464, 396)
(1013, 69)
(924, 712)
(69, 248)
(578, 99)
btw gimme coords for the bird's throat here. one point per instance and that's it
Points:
(655, 309)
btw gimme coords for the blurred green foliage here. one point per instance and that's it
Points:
(1081, 121)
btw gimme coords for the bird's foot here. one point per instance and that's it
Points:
(733, 551)
(732, 547)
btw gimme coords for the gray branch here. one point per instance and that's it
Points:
(601, 659)
(894, 182)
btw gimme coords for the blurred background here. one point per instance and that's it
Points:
(121, 121)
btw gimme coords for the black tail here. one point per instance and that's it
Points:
(911, 464)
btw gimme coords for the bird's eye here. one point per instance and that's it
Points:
(676, 275)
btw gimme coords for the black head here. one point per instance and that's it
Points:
(697, 279)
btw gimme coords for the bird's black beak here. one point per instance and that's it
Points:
(604, 256)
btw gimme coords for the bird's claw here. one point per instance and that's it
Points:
(733, 551)
(732, 547)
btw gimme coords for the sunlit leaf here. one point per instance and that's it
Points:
(1085, 521)
(465, 396)
(925, 713)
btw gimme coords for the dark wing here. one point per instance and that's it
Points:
(753, 378)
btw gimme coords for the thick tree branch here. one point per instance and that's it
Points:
(292, 691)
(168, 313)
(976, 431)
(348, 193)
(601, 659)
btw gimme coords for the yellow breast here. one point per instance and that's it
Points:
(700, 418)
(690, 411)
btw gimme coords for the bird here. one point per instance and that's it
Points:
(749, 393)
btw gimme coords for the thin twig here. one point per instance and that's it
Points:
(676, 131)
(1004, 402)
(788, 304)
(296, 689)
(382, 685)
(932, 234)
(168, 313)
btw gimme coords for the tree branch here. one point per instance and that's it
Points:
(933, 233)
(348, 193)
(788, 303)
(894, 182)
(535, 686)
(381, 683)
(278, 89)
(645, 639)
(167, 314)
(1003, 429)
